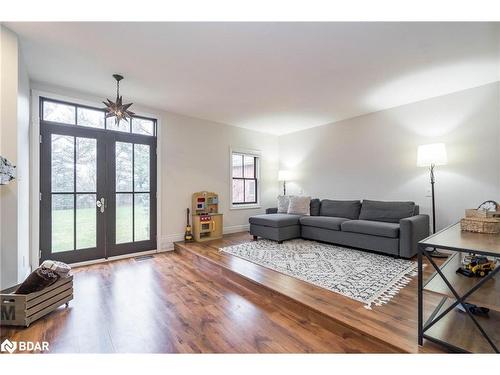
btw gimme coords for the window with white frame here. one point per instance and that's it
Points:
(244, 178)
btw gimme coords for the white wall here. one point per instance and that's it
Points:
(14, 142)
(23, 171)
(374, 156)
(196, 157)
(8, 149)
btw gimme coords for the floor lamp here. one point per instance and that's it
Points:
(430, 156)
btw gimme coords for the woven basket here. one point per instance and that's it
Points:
(480, 225)
(472, 212)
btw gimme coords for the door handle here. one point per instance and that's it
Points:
(101, 204)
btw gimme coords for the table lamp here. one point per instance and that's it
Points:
(430, 156)
(284, 176)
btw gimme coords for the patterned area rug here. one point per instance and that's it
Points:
(365, 277)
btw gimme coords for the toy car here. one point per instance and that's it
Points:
(475, 265)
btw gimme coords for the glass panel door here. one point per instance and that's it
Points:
(133, 201)
(132, 193)
(71, 223)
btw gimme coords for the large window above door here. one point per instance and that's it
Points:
(60, 112)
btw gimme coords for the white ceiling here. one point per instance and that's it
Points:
(270, 77)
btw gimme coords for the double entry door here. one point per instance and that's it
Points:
(97, 193)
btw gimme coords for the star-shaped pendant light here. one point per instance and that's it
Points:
(117, 109)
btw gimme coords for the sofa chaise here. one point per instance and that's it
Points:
(393, 228)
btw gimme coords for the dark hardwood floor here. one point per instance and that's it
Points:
(170, 304)
(393, 324)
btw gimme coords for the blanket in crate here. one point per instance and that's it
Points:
(47, 274)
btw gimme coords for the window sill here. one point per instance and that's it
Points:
(245, 206)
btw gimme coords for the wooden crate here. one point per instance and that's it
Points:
(480, 225)
(23, 309)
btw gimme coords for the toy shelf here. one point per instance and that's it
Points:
(458, 330)
(207, 221)
(487, 296)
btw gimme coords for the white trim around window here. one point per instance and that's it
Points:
(254, 153)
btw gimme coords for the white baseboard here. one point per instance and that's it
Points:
(110, 259)
(236, 228)
(167, 242)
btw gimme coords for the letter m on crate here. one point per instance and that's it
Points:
(8, 312)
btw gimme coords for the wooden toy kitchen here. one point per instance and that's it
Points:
(207, 221)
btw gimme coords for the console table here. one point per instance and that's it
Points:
(456, 330)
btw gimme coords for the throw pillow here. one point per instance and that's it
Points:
(283, 202)
(299, 205)
(315, 207)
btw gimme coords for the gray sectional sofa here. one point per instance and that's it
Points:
(392, 228)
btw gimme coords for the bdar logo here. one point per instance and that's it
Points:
(24, 346)
(8, 346)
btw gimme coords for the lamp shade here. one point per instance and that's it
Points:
(284, 175)
(432, 154)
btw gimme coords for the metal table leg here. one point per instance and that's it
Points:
(420, 298)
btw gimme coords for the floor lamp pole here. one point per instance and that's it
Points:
(284, 187)
(433, 200)
(434, 253)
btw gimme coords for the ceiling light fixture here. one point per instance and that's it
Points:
(117, 109)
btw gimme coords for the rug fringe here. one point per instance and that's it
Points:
(393, 289)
